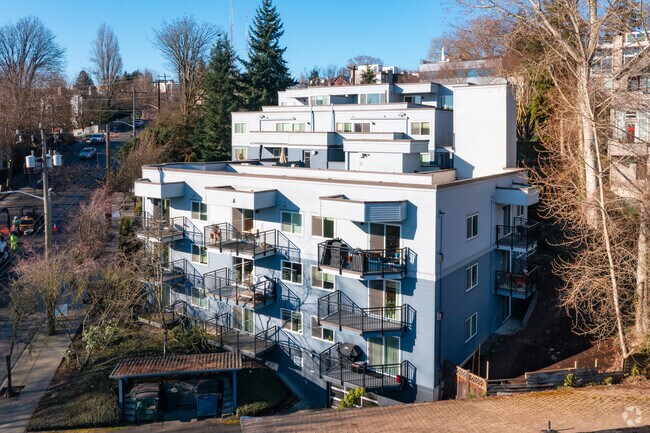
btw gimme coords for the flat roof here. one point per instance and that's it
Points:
(177, 364)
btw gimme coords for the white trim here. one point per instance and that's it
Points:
(470, 326)
(207, 255)
(302, 223)
(311, 331)
(311, 279)
(302, 323)
(207, 211)
(311, 226)
(383, 355)
(477, 226)
(302, 273)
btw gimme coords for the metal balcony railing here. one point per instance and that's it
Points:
(221, 283)
(523, 234)
(222, 332)
(334, 367)
(516, 285)
(336, 254)
(336, 309)
(252, 243)
(158, 228)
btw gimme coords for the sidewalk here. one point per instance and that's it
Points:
(34, 371)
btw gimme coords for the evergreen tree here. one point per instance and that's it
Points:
(84, 83)
(368, 75)
(222, 96)
(266, 69)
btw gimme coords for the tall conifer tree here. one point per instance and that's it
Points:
(222, 97)
(266, 69)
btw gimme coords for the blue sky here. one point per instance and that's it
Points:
(316, 32)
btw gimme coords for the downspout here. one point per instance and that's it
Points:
(437, 363)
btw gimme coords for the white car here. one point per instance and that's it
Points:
(88, 153)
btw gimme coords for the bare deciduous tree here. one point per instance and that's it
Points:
(105, 55)
(184, 43)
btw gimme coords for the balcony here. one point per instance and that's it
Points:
(520, 286)
(222, 334)
(146, 188)
(158, 229)
(222, 284)
(250, 245)
(337, 368)
(337, 256)
(338, 311)
(521, 237)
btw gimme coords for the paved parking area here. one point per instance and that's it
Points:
(603, 408)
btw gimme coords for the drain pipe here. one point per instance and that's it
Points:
(437, 363)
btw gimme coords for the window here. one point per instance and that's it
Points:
(362, 127)
(322, 227)
(291, 320)
(383, 350)
(321, 280)
(471, 277)
(417, 99)
(241, 128)
(243, 219)
(290, 127)
(344, 127)
(291, 223)
(276, 152)
(372, 98)
(299, 127)
(243, 269)
(198, 297)
(420, 128)
(243, 319)
(472, 226)
(292, 272)
(385, 294)
(199, 211)
(447, 102)
(199, 254)
(319, 332)
(240, 153)
(319, 100)
(519, 211)
(470, 327)
(425, 159)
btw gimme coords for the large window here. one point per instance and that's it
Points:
(420, 128)
(319, 332)
(198, 297)
(319, 100)
(362, 127)
(199, 254)
(472, 226)
(241, 153)
(322, 227)
(321, 280)
(291, 223)
(471, 277)
(290, 127)
(199, 211)
(292, 272)
(470, 327)
(243, 319)
(383, 350)
(292, 320)
(385, 294)
(243, 269)
(372, 98)
(344, 127)
(241, 128)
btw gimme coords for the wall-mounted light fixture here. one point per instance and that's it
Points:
(439, 315)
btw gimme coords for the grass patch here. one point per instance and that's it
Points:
(88, 398)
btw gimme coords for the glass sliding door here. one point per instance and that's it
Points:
(242, 219)
(383, 350)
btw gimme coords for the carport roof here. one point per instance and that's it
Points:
(177, 364)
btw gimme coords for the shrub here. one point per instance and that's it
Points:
(608, 380)
(569, 381)
(254, 409)
(352, 398)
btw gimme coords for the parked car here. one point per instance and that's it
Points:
(88, 153)
(96, 139)
(139, 123)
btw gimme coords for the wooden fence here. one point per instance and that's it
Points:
(469, 384)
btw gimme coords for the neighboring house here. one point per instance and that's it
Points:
(362, 235)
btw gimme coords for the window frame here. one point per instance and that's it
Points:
(282, 267)
(322, 227)
(360, 126)
(473, 320)
(471, 277)
(202, 252)
(203, 299)
(292, 316)
(243, 126)
(199, 214)
(345, 127)
(244, 151)
(474, 234)
(321, 287)
(282, 223)
(322, 330)
(420, 124)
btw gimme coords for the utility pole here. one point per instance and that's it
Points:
(133, 93)
(46, 194)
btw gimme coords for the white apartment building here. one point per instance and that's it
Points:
(361, 236)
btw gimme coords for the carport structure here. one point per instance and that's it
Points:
(174, 366)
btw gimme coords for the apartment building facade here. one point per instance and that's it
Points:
(348, 256)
